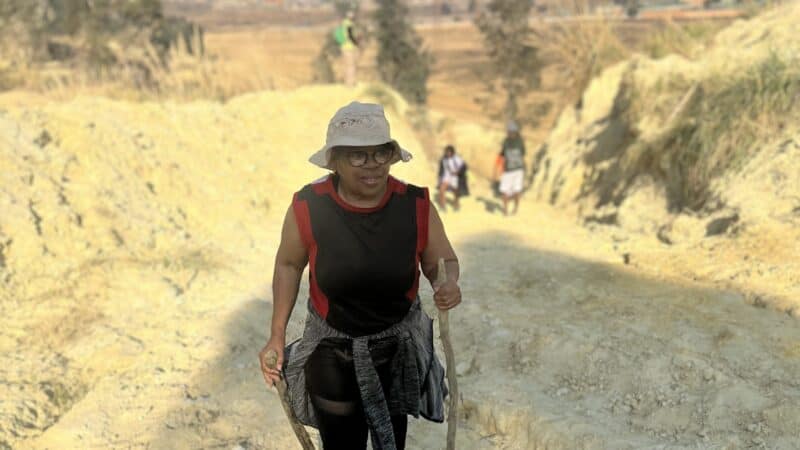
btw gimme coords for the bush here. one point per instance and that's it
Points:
(684, 40)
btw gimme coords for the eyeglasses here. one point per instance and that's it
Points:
(358, 158)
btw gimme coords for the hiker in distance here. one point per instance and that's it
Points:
(510, 167)
(344, 35)
(452, 177)
(366, 359)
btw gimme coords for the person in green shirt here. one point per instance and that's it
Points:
(348, 44)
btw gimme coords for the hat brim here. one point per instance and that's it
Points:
(322, 158)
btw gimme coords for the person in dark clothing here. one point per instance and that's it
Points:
(366, 359)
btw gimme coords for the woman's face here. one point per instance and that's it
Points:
(364, 171)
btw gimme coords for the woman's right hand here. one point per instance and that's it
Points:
(272, 375)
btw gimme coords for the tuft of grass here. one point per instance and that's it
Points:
(720, 129)
(686, 40)
(382, 95)
(753, 8)
(9, 78)
(580, 51)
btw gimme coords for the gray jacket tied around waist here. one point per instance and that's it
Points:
(417, 386)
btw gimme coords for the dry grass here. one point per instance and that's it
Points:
(244, 60)
(579, 51)
(138, 74)
(720, 127)
(687, 40)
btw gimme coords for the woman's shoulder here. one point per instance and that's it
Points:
(404, 187)
(319, 186)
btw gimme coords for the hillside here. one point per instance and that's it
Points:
(116, 214)
(698, 156)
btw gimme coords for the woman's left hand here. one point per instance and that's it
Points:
(447, 296)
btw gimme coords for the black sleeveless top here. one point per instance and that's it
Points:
(363, 262)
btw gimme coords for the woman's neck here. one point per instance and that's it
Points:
(359, 200)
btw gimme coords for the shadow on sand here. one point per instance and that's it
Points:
(559, 344)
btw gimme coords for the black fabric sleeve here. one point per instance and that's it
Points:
(351, 36)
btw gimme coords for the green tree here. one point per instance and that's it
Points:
(514, 62)
(402, 61)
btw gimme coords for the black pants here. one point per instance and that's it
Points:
(331, 382)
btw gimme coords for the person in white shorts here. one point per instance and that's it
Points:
(451, 167)
(511, 167)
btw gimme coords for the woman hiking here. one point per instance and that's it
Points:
(365, 360)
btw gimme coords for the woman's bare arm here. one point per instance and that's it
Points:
(449, 294)
(290, 261)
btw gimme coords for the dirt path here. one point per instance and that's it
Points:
(560, 347)
(594, 355)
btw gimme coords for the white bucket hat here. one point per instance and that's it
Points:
(357, 125)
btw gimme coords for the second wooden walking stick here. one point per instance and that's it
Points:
(299, 430)
(444, 335)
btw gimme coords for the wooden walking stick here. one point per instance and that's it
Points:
(299, 430)
(444, 335)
